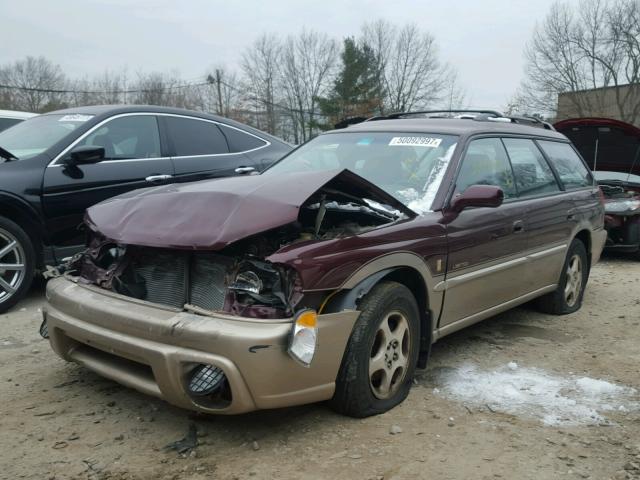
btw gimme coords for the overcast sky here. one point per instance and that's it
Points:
(483, 39)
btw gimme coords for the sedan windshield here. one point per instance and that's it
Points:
(34, 136)
(409, 166)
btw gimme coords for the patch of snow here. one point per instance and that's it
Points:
(553, 399)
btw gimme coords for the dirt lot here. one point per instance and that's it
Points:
(523, 395)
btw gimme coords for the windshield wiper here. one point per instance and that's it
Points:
(7, 155)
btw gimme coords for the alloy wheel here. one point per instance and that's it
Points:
(573, 286)
(12, 265)
(389, 358)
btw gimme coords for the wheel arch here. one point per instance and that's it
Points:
(584, 236)
(409, 270)
(26, 218)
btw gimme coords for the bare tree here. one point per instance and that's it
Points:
(454, 95)
(164, 89)
(260, 68)
(380, 35)
(411, 73)
(306, 66)
(39, 83)
(585, 46)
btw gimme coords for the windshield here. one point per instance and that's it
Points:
(34, 136)
(409, 166)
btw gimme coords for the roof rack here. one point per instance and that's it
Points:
(468, 114)
(396, 115)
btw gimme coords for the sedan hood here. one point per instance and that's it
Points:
(211, 214)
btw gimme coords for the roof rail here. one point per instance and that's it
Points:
(396, 115)
(469, 114)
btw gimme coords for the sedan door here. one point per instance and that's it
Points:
(200, 150)
(133, 159)
(486, 265)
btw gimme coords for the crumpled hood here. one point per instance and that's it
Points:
(211, 214)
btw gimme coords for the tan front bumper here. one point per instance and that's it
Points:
(152, 349)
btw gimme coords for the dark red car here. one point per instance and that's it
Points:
(611, 149)
(329, 276)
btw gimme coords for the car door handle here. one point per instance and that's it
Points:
(158, 178)
(518, 226)
(244, 170)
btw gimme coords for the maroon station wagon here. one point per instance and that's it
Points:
(330, 275)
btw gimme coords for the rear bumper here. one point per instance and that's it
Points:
(153, 349)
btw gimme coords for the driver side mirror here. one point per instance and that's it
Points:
(84, 155)
(477, 196)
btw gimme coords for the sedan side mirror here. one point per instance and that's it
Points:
(86, 154)
(478, 196)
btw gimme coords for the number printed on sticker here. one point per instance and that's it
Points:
(415, 142)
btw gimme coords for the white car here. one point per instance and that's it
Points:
(9, 118)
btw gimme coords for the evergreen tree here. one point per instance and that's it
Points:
(357, 88)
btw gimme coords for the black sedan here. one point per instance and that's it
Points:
(54, 166)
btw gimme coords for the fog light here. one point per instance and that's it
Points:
(206, 380)
(304, 337)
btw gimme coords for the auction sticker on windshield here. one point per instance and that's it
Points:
(76, 117)
(416, 142)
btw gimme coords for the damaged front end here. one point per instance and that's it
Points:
(227, 273)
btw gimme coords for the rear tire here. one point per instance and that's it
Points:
(17, 264)
(377, 369)
(567, 298)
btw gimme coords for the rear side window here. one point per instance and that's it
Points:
(195, 137)
(531, 170)
(570, 168)
(240, 141)
(486, 163)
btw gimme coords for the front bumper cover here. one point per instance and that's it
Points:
(152, 348)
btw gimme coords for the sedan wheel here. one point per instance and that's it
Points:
(12, 265)
(17, 263)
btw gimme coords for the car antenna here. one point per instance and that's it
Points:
(635, 160)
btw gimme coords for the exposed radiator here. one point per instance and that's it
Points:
(207, 285)
(175, 278)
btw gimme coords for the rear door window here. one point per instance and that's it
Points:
(532, 172)
(486, 163)
(571, 170)
(192, 137)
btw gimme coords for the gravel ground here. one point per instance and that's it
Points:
(59, 421)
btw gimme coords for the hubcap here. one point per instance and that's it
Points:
(389, 355)
(12, 269)
(573, 286)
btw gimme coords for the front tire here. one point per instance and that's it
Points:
(17, 264)
(382, 353)
(567, 298)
